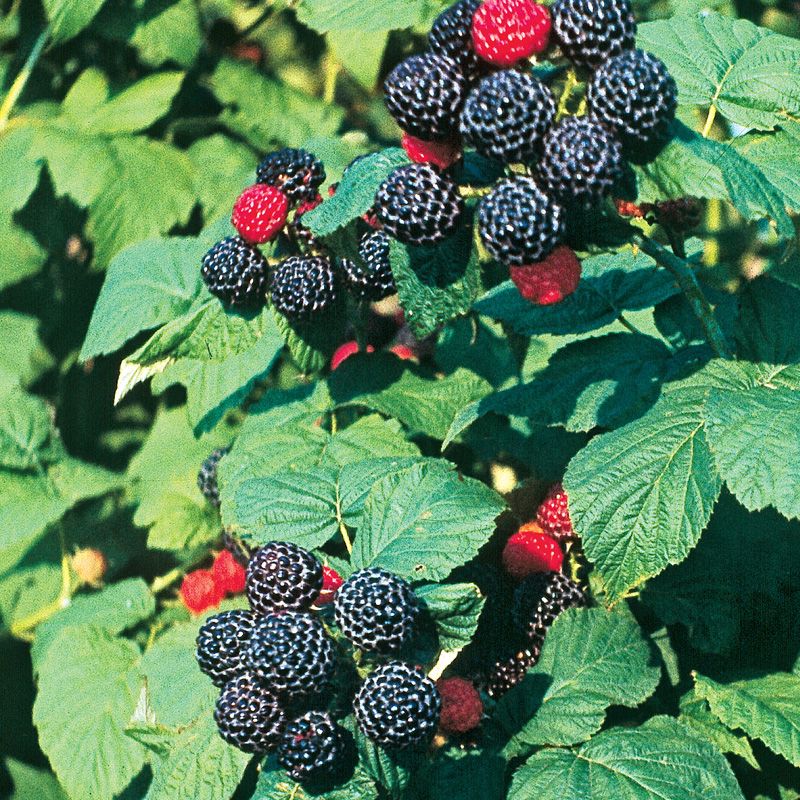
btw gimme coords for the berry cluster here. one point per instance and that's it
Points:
(305, 279)
(276, 662)
(203, 589)
(474, 88)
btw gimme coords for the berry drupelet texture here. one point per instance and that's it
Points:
(451, 35)
(506, 674)
(221, 644)
(540, 598)
(311, 747)
(553, 514)
(398, 706)
(291, 653)
(634, 94)
(236, 272)
(228, 573)
(297, 173)
(376, 610)
(248, 715)
(507, 115)
(425, 94)
(550, 280)
(590, 33)
(529, 551)
(519, 223)
(419, 206)
(462, 707)
(207, 476)
(371, 278)
(199, 591)
(259, 213)
(581, 162)
(303, 286)
(282, 577)
(506, 31)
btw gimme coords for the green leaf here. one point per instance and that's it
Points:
(275, 784)
(354, 15)
(147, 285)
(200, 765)
(773, 153)
(30, 782)
(114, 609)
(748, 73)
(766, 708)
(455, 609)
(693, 166)
(604, 381)
(754, 434)
(695, 713)
(465, 774)
(361, 57)
(267, 113)
(169, 33)
(390, 769)
(661, 759)
(82, 732)
(214, 387)
(23, 358)
(222, 168)
(148, 190)
(768, 327)
(641, 496)
(27, 437)
(69, 17)
(591, 659)
(355, 194)
(436, 284)
(20, 254)
(423, 522)
(312, 343)
(610, 284)
(384, 383)
(136, 107)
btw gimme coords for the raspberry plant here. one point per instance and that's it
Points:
(400, 400)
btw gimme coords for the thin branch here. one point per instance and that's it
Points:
(22, 79)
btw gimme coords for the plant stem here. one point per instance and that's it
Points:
(566, 94)
(22, 79)
(712, 115)
(468, 192)
(629, 325)
(165, 581)
(687, 281)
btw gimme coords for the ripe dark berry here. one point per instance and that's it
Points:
(221, 643)
(506, 31)
(303, 286)
(553, 514)
(581, 162)
(259, 213)
(589, 33)
(634, 94)
(506, 674)
(376, 610)
(419, 206)
(451, 35)
(249, 715)
(550, 280)
(311, 747)
(207, 477)
(518, 223)
(282, 576)
(236, 272)
(297, 173)
(424, 94)
(371, 278)
(398, 706)
(291, 653)
(540, 598)
(507, 115)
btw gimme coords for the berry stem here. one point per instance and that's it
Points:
(566, 94)
(688, 284)
(469, 192)
(712, 115)
(22, 79)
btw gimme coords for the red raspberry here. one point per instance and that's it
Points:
(530, 550)
(346, 350)
(506, 31)
(331, 581)
(628, 209)
(259, 213)
(228, 573)
(553, 514)
(462, 707)
(199, 591)
(551, 280)
(90, 565)
(440, 154)
(404, 352)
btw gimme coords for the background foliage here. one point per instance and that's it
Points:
(127, 128)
